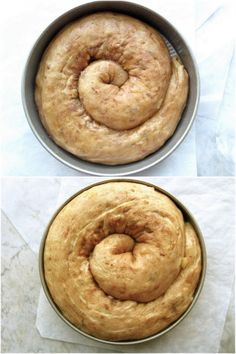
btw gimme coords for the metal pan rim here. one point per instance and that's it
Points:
(185, 211)
(90, 167)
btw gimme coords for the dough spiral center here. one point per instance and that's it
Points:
(104, 87)
(118, 263)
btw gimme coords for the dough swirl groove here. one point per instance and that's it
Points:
(107, 90)
(120, 262)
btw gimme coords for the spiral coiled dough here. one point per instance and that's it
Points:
(120, 262)
(107, 90)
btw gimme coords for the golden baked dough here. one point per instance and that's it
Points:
(107, 90)
(120, 262)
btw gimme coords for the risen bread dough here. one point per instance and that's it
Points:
(120, 262)
(107, 90)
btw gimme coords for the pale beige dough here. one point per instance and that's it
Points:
(107, 90)
(120, 261)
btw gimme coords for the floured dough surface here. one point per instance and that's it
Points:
(120, 262)
(107, 90)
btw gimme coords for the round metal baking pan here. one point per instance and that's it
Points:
(173, 38)
(187, 217)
